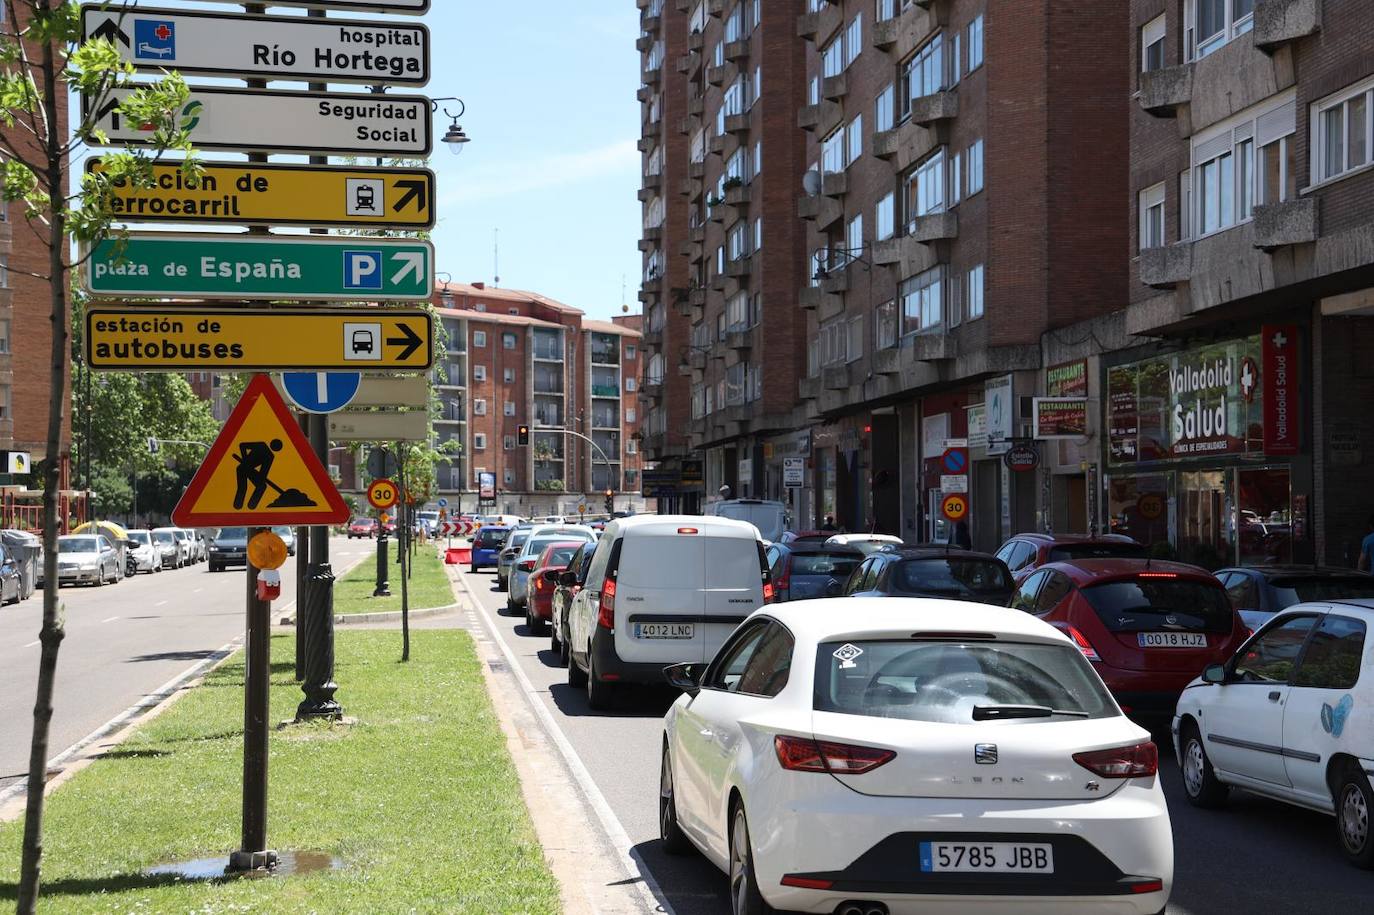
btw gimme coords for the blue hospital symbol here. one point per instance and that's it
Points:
(155, 39)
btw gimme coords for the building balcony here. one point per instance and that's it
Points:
(738, 195)
(1163, 92)
(741, 340)
(649, 292)
(684, 306)
(651, 23)
(715, 8)
(936, 107)
(697, 235)
(902, 34)
(819, 26)
(822, 118)
(814, 298)
(652, 186)
(809, 388)
(716, 146)
(695, 106)
(835, 378)
(887, 361)
(1292, 222)
(605, 390)
(684, 63)
(836, 282)
(1167, 266)
(653, 77)
(651, 388)
(922, 231)
(696, 170)
(823, 211)
(737, 52)
(716, 75)
(831, 306)
(696, 41)
(647, 143)
(737, 123)
(644, 93)
(689, 187)
(738, 268)
(1278, 22)
(645, 42)
(835, 88)
(934, 347)
(834, 184)
(909, 143)
(686, 126)
(653, 337)
(651, 238)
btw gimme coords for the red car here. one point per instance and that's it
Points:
(544, 582)
(362, 527)
(1148, 627)
(1025, 553)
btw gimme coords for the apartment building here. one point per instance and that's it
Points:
(950, 192)
(721, 244)
(516, 360)
(1241, 430)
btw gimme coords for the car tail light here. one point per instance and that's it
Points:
(768, 593)
(806, 883)
(1138, 761)
(802, 754)
(527, 565)
(605, 617)
(785, 574)
(687, 530)
(1083, 644)
(1157, 575)
(539, 583)
(1147, 886)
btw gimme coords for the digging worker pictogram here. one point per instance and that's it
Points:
(255, 463)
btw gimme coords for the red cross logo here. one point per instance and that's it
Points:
(162, 32)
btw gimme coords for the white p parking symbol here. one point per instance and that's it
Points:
(362, 269)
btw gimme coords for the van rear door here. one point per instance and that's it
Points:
(659, 602)
(732, 587)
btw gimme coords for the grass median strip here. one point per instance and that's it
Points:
(429, 586)
(419, 799)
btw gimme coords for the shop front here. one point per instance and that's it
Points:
(1205, 452)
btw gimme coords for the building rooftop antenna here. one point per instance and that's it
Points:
(496, 257)
(624, 306)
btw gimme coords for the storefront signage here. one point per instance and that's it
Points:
(793, 472)
(1069, 379)
(1282, 384)
(746, 470)
(693, 472)
(1001, 413)
(486, 486)
(978, 426)
(1060, 417)
(1022, 458)
(1199, 403)
(658, 482)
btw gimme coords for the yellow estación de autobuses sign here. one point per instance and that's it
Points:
(244, 193)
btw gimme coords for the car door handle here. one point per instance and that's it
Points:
(1275, 696)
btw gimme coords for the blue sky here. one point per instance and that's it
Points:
(550, 91)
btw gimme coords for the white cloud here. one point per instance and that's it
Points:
(506, 177)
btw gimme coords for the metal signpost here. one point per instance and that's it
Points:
(156, 339)
(261, 267)
(235, 193)
(274, 120)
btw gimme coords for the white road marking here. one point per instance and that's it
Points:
(113, 618)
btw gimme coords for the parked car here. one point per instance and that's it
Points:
(801, 571)
(169, 547)
(806, 536)
(510, 548)
(1025, 553)
(1261, 591)
(144, 555)
(188, 549)
(932, 571)
(288, 537)
(569, 583)
(230, 548)
(200, 544)
(543, 582)
(540, 538)
(769, 517)
(11, 581)
(856, 756)
(486, 547)
(86, 559)
(866, 543)
(1148, 627)
(362, 528)
(662, 589)
(1288, 717)
(179, 538)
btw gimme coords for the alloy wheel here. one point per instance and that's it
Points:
(739, 864)
(1193, 763)
(665, 796)
(1354, 819)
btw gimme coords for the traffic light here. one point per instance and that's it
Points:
(523, 435)
(610, 501)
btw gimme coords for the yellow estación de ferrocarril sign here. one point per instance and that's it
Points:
(242, 193)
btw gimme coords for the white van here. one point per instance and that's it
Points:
(769, 517)
(661, 590)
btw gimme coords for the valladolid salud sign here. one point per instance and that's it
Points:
(239, 193)
(167, 265)
(153, 339)
(285, 47)
(269, 120)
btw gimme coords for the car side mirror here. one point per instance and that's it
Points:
(1214, 673)
(685, 677)
(567, 579)
(551, 577)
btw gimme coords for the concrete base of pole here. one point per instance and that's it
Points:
(242, 862)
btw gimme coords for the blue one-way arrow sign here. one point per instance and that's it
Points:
(321, 392)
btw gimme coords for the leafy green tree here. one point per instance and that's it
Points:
(42, 59)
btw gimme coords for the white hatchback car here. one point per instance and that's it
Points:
(1291, 717)
(865, 543)
(904, 755)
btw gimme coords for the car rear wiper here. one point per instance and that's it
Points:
(998, 712)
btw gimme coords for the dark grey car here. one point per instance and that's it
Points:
(801, 571)
(1259, 592)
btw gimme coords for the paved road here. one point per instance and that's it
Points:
(1255, 856)
(123, 642)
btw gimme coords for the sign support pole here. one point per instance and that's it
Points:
(302, 583)
(318, 604)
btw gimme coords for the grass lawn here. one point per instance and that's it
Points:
(429, 585)
(419, 799)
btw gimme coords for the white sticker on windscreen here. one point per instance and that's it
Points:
(846, 654)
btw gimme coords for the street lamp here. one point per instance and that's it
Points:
(455, 136)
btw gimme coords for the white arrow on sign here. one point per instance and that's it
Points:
(411, 262)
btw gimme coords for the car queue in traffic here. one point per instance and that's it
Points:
(991, 730)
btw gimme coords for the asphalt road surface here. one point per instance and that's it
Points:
(1254, 856)
(123, 642)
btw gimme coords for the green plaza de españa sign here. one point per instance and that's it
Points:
(167, 265)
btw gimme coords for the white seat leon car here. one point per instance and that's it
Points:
(868, 757)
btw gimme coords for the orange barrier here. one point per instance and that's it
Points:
(458, 555)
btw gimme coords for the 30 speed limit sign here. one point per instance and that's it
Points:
(383, 493)
(954, 506)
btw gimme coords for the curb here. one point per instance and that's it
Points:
(343, 619)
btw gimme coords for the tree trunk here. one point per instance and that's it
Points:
(53, 629)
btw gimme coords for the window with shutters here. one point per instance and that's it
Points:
(1342, 137)
(1232, 164)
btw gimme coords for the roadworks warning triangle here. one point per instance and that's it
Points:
(260, 471)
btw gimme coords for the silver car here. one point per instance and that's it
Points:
(86, 559)
(170, 547)
(143, 553)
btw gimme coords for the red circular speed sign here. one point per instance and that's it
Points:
(954, 506)
(382, 493)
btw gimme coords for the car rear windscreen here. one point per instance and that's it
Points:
(1294, 589)
(838, 565)
(945, 681)
(1071, 551)
(487, 538)
(962, 578)
(1152, 603)
(560, 556)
